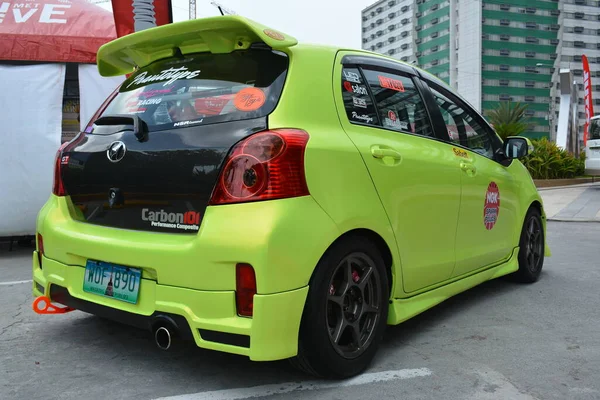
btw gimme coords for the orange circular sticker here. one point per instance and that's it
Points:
(273, 35)
(249, 99)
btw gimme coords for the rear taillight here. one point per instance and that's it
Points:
(267, 165)
(245, 289)
(40, 248)
(58, 188)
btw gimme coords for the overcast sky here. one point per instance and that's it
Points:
(332, 22)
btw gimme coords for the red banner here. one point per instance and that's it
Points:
(587, 100)
(53, 30)
(137, 15)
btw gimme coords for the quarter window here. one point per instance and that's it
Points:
(358, 103)
(399, 104)
(463, 127)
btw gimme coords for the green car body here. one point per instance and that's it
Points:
(419, 200)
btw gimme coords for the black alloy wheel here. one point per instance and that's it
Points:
(345, 314)
(531, 248)
(353, 305)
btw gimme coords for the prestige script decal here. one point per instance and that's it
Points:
(171, 75)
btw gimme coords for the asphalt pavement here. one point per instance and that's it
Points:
(500, 340)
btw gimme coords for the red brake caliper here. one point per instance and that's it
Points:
(43, 305)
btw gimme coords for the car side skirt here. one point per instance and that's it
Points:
(404, 309)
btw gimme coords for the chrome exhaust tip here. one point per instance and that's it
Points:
(163, 338)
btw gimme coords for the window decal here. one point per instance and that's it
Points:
(491, 207)
(362, 117)
(351, 76)
(390, 83)
(460, 152)
(249, 99)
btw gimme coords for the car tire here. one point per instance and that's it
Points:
(346, 311)
(531, 248)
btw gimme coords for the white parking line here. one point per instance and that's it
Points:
(281, 388)
(14, 283)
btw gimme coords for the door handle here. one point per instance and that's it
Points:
(468, 167)
(379, 152)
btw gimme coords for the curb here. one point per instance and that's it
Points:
(579, 185)
(596, 220)
(554, 183)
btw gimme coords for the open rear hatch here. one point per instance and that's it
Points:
(150, 158)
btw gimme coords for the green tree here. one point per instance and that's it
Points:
(509, 119)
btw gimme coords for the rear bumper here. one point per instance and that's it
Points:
(207, 317)
(283, 240)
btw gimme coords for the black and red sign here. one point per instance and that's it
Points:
(137, 15)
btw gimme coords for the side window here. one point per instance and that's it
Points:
(463, 128)
(358, 103)
(399, 103)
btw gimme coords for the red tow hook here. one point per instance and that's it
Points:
(43, 305)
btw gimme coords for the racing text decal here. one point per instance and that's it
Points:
(491, 206)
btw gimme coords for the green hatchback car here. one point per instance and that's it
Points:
(277, 200)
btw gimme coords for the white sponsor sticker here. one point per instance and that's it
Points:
(358, 102)
(351, 76)
(184, 123)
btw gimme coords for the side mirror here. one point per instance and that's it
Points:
(517, 147)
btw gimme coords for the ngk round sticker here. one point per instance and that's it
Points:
(491, 206)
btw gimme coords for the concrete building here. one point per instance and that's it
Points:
(493, 50)
(580, 34)
(388, 28)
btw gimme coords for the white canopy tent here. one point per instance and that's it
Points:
(34, 54)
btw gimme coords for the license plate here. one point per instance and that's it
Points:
(114, 281)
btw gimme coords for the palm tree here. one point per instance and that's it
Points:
(509, 119)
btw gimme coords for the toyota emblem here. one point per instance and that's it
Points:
(116, 151)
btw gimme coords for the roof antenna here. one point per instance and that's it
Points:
(223, 10)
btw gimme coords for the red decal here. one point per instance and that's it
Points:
(348, 86)
(491, 207)
(212, 105)
(191, 218)
(134, 15)
(249, 99)
(390, 83)
(392, 115)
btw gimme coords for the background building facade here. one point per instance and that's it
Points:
(493, 50)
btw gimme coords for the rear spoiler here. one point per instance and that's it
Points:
(222, 34)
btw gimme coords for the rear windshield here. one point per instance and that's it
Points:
(595, 129)
(202, 89)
